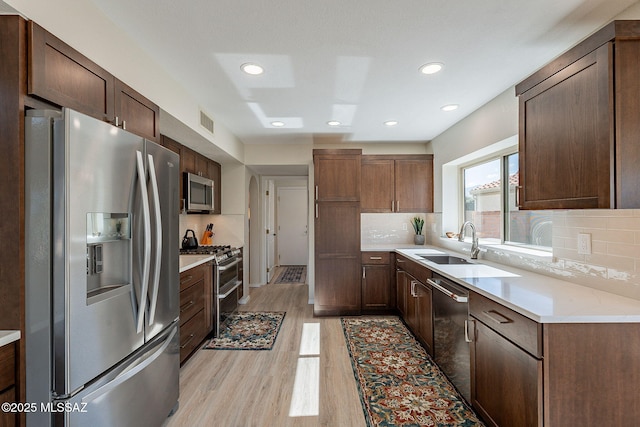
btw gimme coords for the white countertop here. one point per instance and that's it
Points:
(538, 297)
(7, 337)
(189, 261)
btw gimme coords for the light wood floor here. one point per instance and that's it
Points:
(226, 388)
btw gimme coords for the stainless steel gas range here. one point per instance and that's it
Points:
(226, 281)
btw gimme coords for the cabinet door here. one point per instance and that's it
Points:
(214, 171)
(414, 185)
(506, 384)
(376, 287)
(424, 316)
(402, 285)
(566, 137)
(337, 177)
(61, 75)
(377, 192)
(411, 309)
(8, 419)
(188, 161)
(136, 113)
(337, 258)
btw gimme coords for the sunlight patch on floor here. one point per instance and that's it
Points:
(305, 400)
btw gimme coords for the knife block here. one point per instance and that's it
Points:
(206, 238)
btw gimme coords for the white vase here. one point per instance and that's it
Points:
(418, 239)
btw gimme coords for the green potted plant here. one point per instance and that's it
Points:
(417, 224)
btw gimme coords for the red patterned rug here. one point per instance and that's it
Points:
(398, 382)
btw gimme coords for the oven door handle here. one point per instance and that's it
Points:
(227, 266)
(223, 296)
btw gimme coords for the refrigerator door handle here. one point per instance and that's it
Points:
(131, 371)
(142, 303)
(158, 239)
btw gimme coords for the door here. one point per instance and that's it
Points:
(293, 246)
(96, 325)
(270, 227)
(142, 391)
(162, 181)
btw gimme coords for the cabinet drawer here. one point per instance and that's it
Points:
(519, 329)
(8, 419)
(191, 334)
(191, 301)
(373, 258)
(193, 275)
(7, 366)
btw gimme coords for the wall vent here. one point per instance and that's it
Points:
(206, 121)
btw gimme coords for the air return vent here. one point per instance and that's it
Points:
(206, 121)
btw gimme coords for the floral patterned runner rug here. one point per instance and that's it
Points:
(248, 330)
(399, 384)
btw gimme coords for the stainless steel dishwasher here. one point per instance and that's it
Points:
(451, 349)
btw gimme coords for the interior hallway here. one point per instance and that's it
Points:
(232, 388)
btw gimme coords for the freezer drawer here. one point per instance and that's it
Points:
(140, 392)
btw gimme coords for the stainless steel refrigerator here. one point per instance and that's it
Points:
(102, 274)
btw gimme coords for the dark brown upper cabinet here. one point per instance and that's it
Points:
(400, 183)
(59, 74)
(579, 133)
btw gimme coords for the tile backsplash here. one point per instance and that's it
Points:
(388, 228)
(612, 266)
(227, 230)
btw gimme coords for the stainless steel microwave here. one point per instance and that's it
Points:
(198, 193)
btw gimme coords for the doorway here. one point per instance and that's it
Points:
(293, 228)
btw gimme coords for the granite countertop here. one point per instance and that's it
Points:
(7, 337)
(538, 297)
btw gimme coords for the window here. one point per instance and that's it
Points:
(490, 203)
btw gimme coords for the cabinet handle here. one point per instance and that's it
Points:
(467, 336)
(398, 206)
(413, 288)
(500, 319)
(316, 209)
(124, 125)
(375, 257)
(364, 273)
(518, 188)
(186, 279)
(393, 206)
(400, 260)
(187, 306)
(187, 341)
(316, 193)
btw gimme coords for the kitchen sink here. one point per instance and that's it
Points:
(445, 259)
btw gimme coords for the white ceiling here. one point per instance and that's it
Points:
(352, 60)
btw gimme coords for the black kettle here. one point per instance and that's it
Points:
(189, 242)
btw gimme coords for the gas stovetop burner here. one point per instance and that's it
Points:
(205, 250)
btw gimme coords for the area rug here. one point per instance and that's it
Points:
(248, 330)
(399, 384)
(291, 274)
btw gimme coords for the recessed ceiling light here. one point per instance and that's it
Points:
(251, 68)
(391, 123)
(334, 123)
(449, 107)
(431, 68)
(277, 124)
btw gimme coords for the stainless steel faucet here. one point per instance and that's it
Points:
(474, 238)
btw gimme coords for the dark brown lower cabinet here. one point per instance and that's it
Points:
(8, 380)
(339, 290)
(415, 306)
(377, 283)
(196, 289)
(508, 381)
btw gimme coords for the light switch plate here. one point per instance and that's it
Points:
(584, 244)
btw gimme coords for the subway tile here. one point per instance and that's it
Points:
(623, 250)
(588, 223)
(624, 223)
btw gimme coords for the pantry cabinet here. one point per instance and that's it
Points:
(59, 74)
(578, 127)
(337, 232)
(397, 183)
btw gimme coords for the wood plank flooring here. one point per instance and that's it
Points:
(227, 388)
